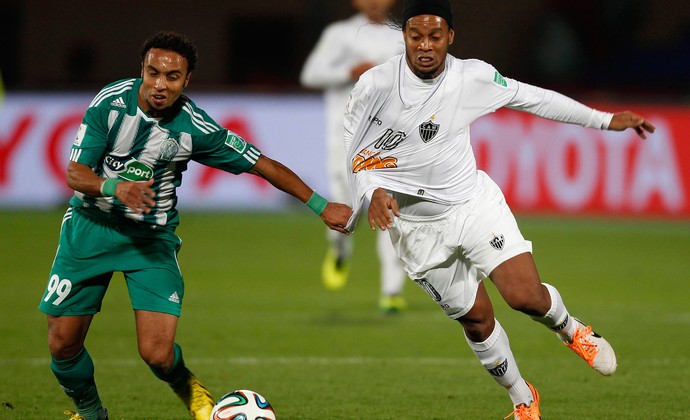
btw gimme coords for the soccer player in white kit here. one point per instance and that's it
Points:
(345, 50)
(408, 143)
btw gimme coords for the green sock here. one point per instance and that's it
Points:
(75, 375)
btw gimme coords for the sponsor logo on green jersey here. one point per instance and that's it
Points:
(136, 171)
(114, 163)
(235, 142)
(499, 80)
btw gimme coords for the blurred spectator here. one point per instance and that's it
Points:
(624, 47)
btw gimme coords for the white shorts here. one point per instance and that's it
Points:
(450, 254)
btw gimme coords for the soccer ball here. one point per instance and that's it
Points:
(242, 404)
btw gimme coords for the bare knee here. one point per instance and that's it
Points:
(156, 336)
(517, 280)
(479, 321)
(476, 330)
(62, 349)
(66, 335)
(533, 300)
(157, 356)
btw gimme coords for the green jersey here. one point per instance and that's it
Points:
(119, 140)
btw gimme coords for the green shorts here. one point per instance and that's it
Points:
(93, 245)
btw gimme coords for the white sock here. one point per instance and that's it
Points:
(557, 318)
(495, 355)
(392, 274)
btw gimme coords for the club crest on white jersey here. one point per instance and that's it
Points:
(428, 130)
(498, 242)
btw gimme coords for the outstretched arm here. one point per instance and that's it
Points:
(626, 119)
(334, 215)
(555, 106)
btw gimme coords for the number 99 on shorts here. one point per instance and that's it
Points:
(58, 287)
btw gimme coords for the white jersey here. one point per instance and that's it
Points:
(412, 136)
(342, 46)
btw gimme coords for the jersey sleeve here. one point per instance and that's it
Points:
(489, 89)
(494, 91)
(92, 137)
(555, 106)
(224, 150)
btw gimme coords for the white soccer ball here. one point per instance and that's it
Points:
(242, 404)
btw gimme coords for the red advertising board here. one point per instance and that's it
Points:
(37, 131)
(543, 166)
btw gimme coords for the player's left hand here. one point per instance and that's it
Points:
(627, 119)
(382, 209)
(137, 195)
(336, 216)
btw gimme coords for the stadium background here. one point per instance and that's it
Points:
(292, 340)
(611, 54)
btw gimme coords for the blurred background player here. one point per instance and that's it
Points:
(136, 138)
(345, 50)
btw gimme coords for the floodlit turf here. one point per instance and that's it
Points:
(255, 316)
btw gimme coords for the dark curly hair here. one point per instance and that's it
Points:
(172, 41)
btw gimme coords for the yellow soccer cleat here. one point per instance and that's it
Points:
(73, 415)
(392, 304)
(594, 349)
(334, 271)
(527, 412)
(196, 398)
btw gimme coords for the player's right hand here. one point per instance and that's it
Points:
(627, 119)
(336, 216)
(382, 209)
(138, 196)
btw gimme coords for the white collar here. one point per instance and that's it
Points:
(415, 91)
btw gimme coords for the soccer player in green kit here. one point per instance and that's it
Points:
(135, 140)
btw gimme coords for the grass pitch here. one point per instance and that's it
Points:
(255, 316)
